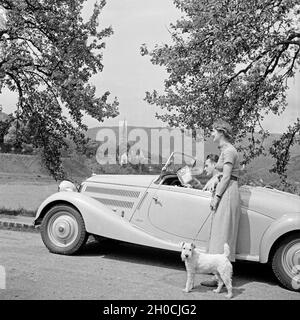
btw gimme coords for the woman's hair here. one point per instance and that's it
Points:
(224, 127)
(213, 157)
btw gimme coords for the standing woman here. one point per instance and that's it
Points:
(226, 199)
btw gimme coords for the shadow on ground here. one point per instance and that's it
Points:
(116, 250)
(244, 272)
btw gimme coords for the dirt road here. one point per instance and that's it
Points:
(115, 271)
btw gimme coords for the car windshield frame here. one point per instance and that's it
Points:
(166, 170)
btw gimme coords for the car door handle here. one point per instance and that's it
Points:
(155, 199)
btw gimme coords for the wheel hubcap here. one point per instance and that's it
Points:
(62, 229)
(291, 259)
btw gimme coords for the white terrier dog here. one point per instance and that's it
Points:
(199, 262)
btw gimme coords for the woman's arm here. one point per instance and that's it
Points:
(223, 184)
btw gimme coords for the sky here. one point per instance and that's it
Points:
(128, 75)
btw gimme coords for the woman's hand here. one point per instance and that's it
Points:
(214, 203)
(211, 184)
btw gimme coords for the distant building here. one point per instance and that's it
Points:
(123, 143)
(123, 159)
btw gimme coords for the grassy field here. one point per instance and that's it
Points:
(23, 194)
(25, 183)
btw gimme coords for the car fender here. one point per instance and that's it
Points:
(285, 224)
(101, 220)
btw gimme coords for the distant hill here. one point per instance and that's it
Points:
(92, 134)
(20, 164)
(83, 167)
(209, 146)
(258, 168)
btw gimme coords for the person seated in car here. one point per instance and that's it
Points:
(210, 169)
(191, 175)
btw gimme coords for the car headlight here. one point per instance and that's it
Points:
(67, 186)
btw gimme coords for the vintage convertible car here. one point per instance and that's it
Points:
(159, 211)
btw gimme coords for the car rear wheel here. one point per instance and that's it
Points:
(286, 262)
(63, 230)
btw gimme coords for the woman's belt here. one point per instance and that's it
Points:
(231, 177)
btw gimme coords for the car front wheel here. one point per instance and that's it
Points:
(286, 262)
(63, 230)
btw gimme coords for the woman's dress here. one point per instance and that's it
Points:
(226, 218)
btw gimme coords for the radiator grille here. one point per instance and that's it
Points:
(115, 192)
(115, 203)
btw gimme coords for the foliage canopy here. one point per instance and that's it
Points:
(48, 54)
(231, 60)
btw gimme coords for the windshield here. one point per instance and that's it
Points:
(178, 160)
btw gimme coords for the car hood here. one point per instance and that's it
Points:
(129, 180)
(271, 202)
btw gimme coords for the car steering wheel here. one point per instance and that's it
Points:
(175, 183)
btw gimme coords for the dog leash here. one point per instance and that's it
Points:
(212, 217)
(210, 214)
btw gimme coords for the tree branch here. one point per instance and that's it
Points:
(290, 70)
(285, 45)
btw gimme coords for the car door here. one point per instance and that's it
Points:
(181, 212)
